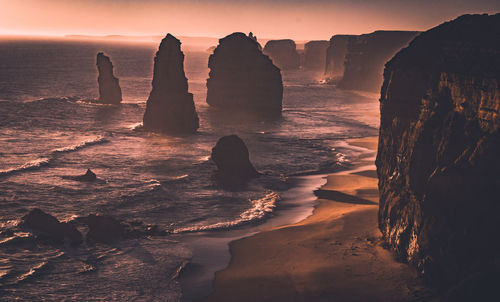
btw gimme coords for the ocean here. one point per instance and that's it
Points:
(50, 130)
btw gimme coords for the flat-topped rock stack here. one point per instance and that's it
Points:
(283, 53)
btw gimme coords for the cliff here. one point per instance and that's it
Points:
(283, 53)
(109, 87)
(243, 78)
(438, 160)
(315, 55)
(170, 107)
(335, 56)
(367, 55)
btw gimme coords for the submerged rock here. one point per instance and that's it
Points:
(230, 154)
(367, 55)
(438, 158)
(47, 227)
(170, 107)
(104, 229)
(109, 87)
(88, 176)
(315, 55)
(283, 53)
(335, 56)
(243, 78)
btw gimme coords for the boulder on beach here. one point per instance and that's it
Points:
(170, 107)
(109, 87)
(231, 156)
(48, 228)
(104, 229)
(242, 78)
(283, 53)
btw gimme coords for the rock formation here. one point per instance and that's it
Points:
(438, 160)
(283, 53)
(109, 87)
(230, 154)
(335, 56)
(88, 176)
(104, 229)
(170, 107)
(48, 228)
(367, 55)
(315, 55)
(243, 78)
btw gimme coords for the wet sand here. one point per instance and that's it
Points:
(335, 254)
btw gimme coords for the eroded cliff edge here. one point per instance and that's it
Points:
(170, 107)
(438, 158)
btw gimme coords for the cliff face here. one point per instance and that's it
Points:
(283, 53)
(367, 55)
(243, 78)
(170, 107)
(109, 87)
(438, 160)
(315, 55)
(335, 56)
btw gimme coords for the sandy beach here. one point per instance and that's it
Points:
(335, 254)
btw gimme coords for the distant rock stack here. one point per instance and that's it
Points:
(230, 154)
(315, 55)
(283, 53)
(438, 158)
(242, 78)
(335, 56)
(367, 55)
(170, 107)
(109, 87)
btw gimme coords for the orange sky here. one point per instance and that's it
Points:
(306, 20)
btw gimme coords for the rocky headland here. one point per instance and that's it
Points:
(170, 107)
(335, 56)
(242, 78)
(283, 53)
(367, 55)
(109, 86)
(438, 156)
(315, 55)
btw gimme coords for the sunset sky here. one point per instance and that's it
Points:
(313, 19)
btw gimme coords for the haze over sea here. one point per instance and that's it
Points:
(48, 131)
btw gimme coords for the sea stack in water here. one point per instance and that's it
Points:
(335, 56)
(242, 78)
(170, 107)
(109, 87)
(367, 55)
(283, 53)
(315, 55)
(230, 154)
(439, 155)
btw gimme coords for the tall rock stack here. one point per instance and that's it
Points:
(170, 107)
(335, 56)
(315, 55)
(242, 78)
(109, 87)
(438, 159)
(367, 55)
(283, 53)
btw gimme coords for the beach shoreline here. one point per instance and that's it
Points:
(334, 254)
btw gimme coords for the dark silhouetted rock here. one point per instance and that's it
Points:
(109, 87)
(170, 107)
(283, 53)
(367, 55)
(439, 152)
(242, 78)
(230, 154)
(88, 176)
(48, 228)
(315, 55)
(335, 56)
(105, 229)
